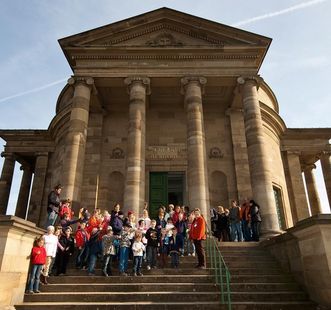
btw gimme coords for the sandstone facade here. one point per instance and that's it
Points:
(173, 93)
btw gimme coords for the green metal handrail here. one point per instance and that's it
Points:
(219, 269)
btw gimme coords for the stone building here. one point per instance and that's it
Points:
(166, 107)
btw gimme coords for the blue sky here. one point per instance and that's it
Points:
(297, 66)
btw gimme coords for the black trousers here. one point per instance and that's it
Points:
(200, 253)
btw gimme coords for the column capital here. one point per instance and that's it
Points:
(308, 167)
(81, 79)
(186, 80)
(241, 80)
(143, 80)
(87, 81)
(25, 167)
(8, 155)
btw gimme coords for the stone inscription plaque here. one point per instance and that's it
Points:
(166, 152)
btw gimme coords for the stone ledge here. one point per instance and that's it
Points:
(17, 222)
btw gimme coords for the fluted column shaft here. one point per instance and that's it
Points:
(326, 168)
(6, 180)
(23, 196)
(134, 191)
(73, 166)
(314, 200)
(37, 190)
(197, 177)
(258, 156)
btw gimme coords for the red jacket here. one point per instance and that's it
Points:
(38, 255)
(198, 229)
(81, 238)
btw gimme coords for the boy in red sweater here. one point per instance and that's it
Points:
(38, 259)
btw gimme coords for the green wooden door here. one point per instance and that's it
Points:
(158, 192)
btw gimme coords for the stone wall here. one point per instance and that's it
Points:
(305, 251)
(16, 241)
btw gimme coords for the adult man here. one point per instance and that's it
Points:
(53, 206)
(198, 234)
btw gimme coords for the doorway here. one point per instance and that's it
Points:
(165, 188)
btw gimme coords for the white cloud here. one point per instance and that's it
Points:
(290, 9)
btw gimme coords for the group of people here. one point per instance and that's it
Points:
(238, 223)
(114, 238)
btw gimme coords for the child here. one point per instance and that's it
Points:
(190, 244)
(164, 248)
(152, 244)
(125, 244)
(65, 250)
(146, 219)
(65, 208)
(38, 259)
(181, 226)
(50, 242)
(94, 249)
(108, 250)
(175, 247)
(169, 227)
(81, 238)
(138, 249)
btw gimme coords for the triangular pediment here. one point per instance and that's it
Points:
(165, 27)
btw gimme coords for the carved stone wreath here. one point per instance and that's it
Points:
(216, 153)
(117, 153)
(164, 39)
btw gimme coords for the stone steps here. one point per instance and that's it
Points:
(257, 282)
(290, 305)
(131, 287)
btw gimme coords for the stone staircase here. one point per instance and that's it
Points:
(256, 283)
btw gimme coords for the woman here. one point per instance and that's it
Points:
(255, 220)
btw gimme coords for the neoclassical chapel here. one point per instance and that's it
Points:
(167, 107)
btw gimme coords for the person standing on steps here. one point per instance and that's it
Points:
(53, 205)
(235, 222)
(38, 259)
(198, 234)
(255, 220)
(50, 244)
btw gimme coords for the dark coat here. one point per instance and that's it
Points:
(53, 202)
(175, 245)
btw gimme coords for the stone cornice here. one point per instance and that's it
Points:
(273, 119)
(181, 57)
(307, 133)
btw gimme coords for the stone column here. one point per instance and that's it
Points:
(314, 200)
(240, 153)
(37, 191)
(296, 187)
(6, 180)
(197, 177)
(73, 165)
(326, 168)
(23, 196)
(258, 156)
(134, 191)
